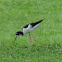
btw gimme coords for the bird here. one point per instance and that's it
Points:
(28, 29)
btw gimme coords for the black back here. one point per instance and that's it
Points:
(26, 26)
(33, 24)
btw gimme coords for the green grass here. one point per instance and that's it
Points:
(14, 14)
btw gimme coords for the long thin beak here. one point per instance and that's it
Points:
(15, 39)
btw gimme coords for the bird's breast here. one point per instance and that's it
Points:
(29, 29)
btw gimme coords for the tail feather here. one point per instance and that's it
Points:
(33, 24)
(39, 21)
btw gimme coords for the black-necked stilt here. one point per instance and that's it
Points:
(28, 29)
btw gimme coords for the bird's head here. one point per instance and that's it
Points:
(18, 34)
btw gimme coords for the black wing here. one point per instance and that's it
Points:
(26, 26)
(33, 24)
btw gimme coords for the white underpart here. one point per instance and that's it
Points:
(29, 29)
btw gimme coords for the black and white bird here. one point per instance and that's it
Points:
(28, 29)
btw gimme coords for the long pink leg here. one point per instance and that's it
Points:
(33, 37)
(30, 37)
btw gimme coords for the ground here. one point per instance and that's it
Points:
(14, 14)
